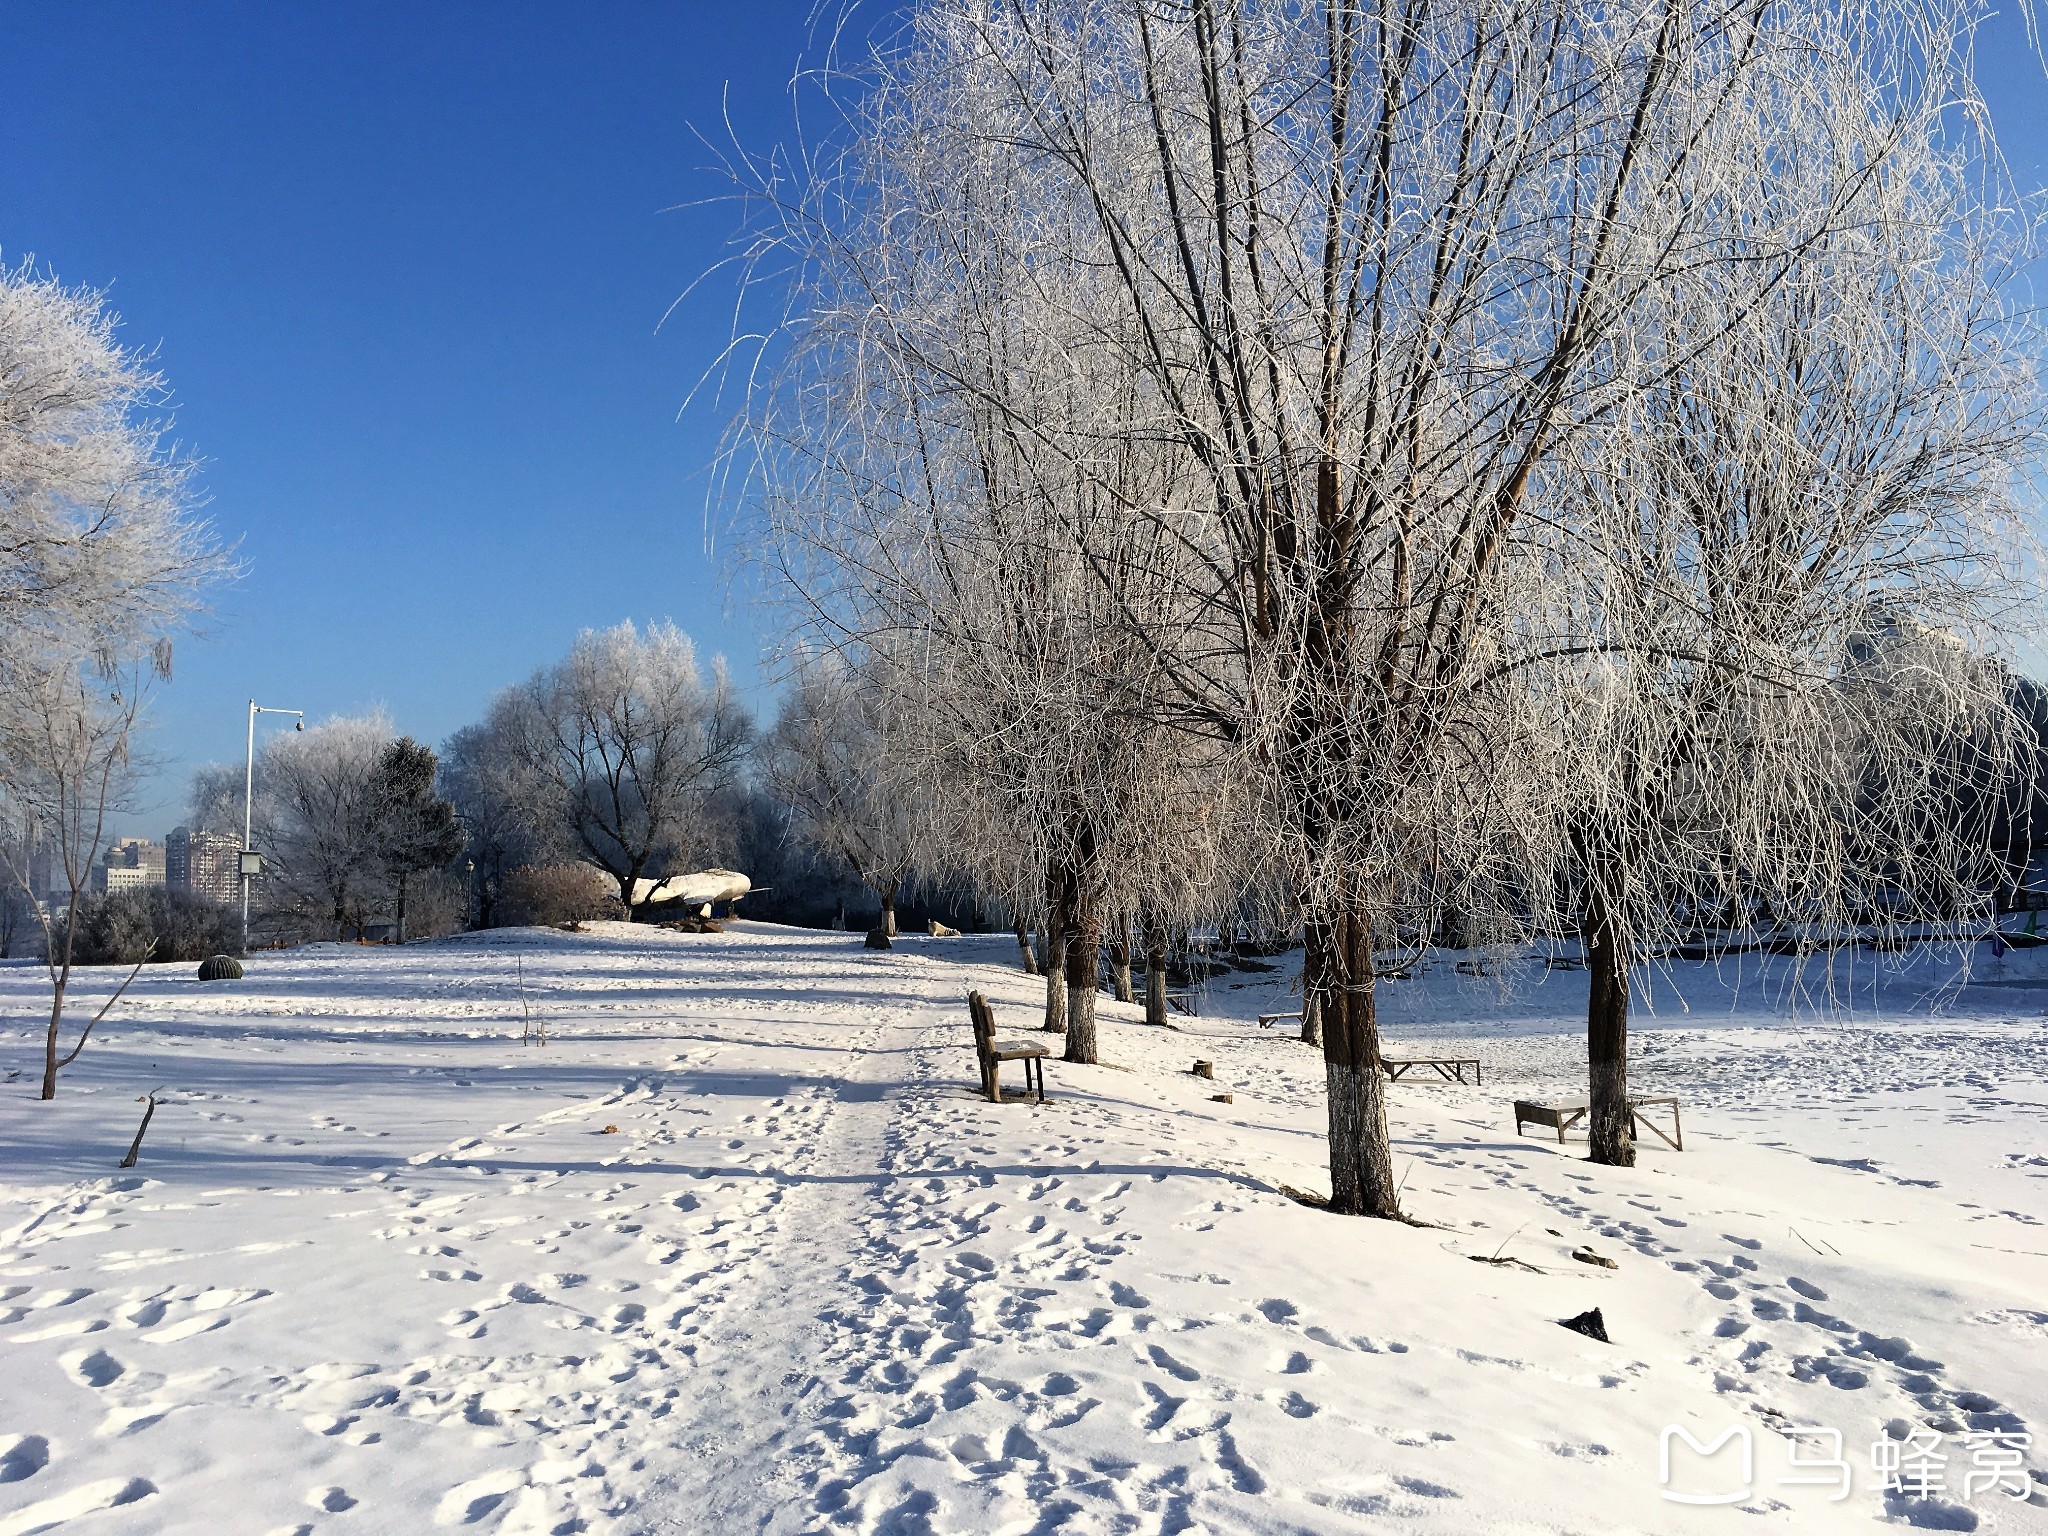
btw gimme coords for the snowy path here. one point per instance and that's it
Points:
(740, 1251)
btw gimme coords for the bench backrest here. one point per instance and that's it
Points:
(984, 1023)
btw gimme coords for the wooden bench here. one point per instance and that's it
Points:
(1449, 1068)
(1180, 1001)
(992, 1053)
(1565, 1115)
(1268, 1020)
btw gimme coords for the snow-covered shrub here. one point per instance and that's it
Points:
(556, 896)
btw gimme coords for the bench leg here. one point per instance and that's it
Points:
(1675, 1141)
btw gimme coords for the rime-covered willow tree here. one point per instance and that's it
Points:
(1052, 783)
(1765, 689)
(828, 760)
(993, 580)
(1365, 284)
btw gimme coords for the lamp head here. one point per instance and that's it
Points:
(299, 726)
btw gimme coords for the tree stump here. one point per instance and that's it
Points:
(1204, 1069)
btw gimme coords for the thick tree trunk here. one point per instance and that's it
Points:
(1361, 1159)
(1055, 964)
(1120, 959)
(1611, 1128)
(1155, 975)
(399, 926)
(889, 911)
(1084, 952)
(50, 1041)
(1024, 951)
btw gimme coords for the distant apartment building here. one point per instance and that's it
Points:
(131, 864)
(205, 862)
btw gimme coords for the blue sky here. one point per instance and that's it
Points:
(405, 265)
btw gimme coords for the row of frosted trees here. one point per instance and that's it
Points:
(1543, 467)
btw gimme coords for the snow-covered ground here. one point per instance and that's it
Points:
(739, 1250)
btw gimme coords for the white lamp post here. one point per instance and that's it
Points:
(247, 857)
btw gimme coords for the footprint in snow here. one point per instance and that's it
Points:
(1178, 1370)
(108, 1493)
(191, 1327)
(69, 1328)
(94, 1368)
(23, 1457)
(57, 1298)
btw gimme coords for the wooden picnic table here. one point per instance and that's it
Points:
(1179, 1000)
(1566, 1114)
(1449, 1068)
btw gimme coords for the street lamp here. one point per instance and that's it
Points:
(248, 858)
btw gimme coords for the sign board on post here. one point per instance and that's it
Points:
(252, 862)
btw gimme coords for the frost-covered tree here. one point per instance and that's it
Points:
(101, 553)
(320, 818)
(828, 760)
(102, 557)
(1757, 732)
(214, 798)
(621, 750)
(1365, 287)
(499, 807)
(66, 766)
